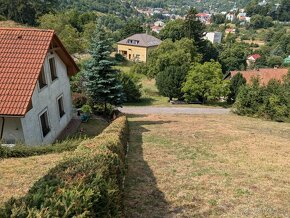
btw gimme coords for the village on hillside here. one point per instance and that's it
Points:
(144, 108)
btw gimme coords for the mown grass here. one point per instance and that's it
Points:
(18, 174)
(207, 166)
(93, 127)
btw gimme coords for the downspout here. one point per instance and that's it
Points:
(2, 128)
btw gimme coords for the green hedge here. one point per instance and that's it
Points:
(26, 151)
(86, 184)
(270, 102)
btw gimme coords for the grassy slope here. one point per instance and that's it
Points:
(18, 174)
(207, 165)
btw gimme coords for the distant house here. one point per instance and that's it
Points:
(159, 23)
(138, 46)
(35, 96)
(230, 30)
(251, 59)
(243, 17)
(156, 29)
(265, 74)
(204, 17)
(231, 16)
(214, 37)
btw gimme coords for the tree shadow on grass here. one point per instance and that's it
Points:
(142, 196)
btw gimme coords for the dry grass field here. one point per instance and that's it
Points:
(17, 175)
(207, 166)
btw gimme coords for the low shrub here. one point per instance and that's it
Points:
(26, 151)
(131, 86)
(87, 183)
(79, 99)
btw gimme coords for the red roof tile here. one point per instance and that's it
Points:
(22, 54)
(265, 74)
(255, 56)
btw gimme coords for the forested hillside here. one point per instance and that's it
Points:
(28, 11)
(218, 6)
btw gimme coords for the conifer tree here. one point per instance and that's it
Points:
(102, 83)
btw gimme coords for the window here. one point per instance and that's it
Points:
(52, 69)
(132, 41)
(42, 79)
(44, 123)
(60, 106)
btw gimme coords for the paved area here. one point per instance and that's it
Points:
(173, 110)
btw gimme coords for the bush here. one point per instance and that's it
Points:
(270, 102)
(131, 87)
(236, 82)
(26, 151)
(99, 109)
(169, 82)
(86, 184)
(120, 58)
(2, 18)
(79, 99)
(249, 99)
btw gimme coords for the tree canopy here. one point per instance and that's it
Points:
(102, 83)
(204, 82)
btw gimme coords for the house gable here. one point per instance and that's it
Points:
(22, 54)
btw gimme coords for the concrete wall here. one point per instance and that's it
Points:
(214, 37)
(133, 51)
(12, 130)
(46, 99)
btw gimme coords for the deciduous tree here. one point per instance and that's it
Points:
(204, 82)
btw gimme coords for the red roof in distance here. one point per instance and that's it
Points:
(22, 54)
(254, 56)
(265, 74)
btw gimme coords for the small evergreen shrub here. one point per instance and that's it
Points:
(87, 183)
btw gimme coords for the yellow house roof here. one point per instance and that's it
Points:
(142, 40)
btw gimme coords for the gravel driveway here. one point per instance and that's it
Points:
(172, 110)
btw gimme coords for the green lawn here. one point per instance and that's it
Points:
(93, 127)
(207, 166)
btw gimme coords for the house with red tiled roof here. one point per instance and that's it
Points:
(35, 96)
(204, 17)
(251, 59)
(264, 74)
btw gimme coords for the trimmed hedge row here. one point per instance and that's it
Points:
(26, 151)
(86, 184)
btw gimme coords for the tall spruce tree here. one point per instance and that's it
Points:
(102, 83)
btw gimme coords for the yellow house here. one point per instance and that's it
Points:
(137, 47)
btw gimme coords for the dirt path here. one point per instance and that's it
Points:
(173, 110)
(207, 166)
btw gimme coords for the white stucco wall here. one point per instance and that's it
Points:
(46, 99)
(12, 130)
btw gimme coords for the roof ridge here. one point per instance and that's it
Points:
(27, 29)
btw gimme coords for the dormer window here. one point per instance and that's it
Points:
(134, 42)
(52, 69)
(42, 80)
